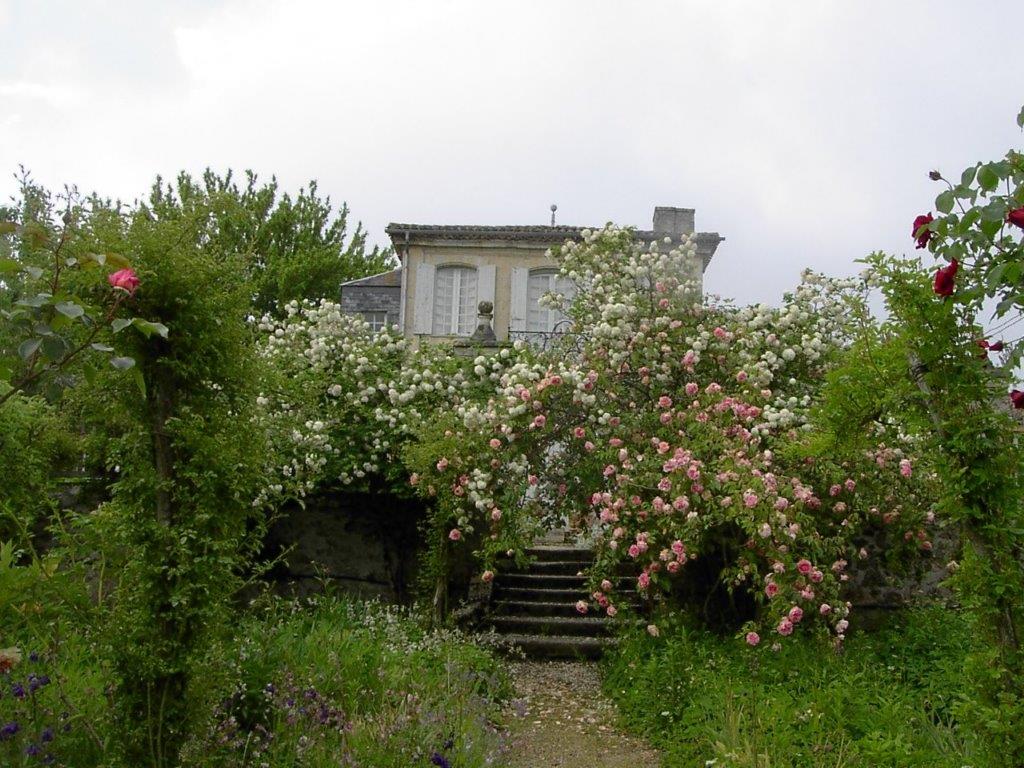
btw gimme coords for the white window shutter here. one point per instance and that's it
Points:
(485, 283)
(423, 301)
(519, 307)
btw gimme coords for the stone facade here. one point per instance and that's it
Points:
(363, 544)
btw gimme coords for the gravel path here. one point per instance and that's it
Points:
(561, 719)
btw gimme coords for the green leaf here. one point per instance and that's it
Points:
(994, 211)
(54, 348)
(9, 266)
(89, 373)
(1020, 118)
(7, 227)
(39, 300)
(990, 228)
(140, 380)
(987, 177)
(101, 347)
(94, 259)
(122, 363)
(944, 202)
(69, 309)
(147, 329)
(117, 261)
(967, 177)
(34, 272)
(120, 324)
(28, 348)
(35, 233)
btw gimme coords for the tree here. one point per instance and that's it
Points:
(293, 248)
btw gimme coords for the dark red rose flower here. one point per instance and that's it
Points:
(924, 236)
(1017, 398)
(944, 278)
(1016, 217)
(996, 346)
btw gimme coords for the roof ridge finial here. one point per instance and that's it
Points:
(553, 209)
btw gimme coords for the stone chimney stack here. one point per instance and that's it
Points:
(673, 221)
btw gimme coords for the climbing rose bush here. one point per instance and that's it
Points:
(679, 425)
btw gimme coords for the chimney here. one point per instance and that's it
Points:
(673, 221)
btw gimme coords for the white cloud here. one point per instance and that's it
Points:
(803, 131)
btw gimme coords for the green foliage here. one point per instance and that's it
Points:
(345, 683)
(974, 228)
(63, 302)
(891, 698)
(181, 525)
(31, 439)
(293, 248)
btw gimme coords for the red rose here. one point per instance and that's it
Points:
(1016, 217)
(125, 279)
(925, 235)
(1017, 398)
(944, 278)
(996, 347)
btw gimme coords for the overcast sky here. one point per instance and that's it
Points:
(801, 131)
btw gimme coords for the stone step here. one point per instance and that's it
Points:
(576, 554)
(534, 594)
(576, 626)
(534, 608)
(565, 608)
(558, 646)
(542, 580)
(564, 567)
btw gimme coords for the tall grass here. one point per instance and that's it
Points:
(889, 699)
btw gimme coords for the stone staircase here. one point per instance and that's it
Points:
(535, 610)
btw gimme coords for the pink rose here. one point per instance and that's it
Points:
(665, 401)
(691, 389)
(495, 514)
(442, 465)
(581, 606)
(487, 576)
(455, 534)
(753, 638)
(824, 609)
(495, 443)
(795, 614)
(611, 610)
(606, 586)
(785, 627)
(771, 589)
(906, 470)
(804, 566)
(125, 279)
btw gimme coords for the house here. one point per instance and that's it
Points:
(447, 270)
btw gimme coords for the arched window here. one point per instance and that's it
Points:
(545, 318)
(454, 301)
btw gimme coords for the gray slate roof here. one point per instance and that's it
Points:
(390, 279)
(400, 234)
